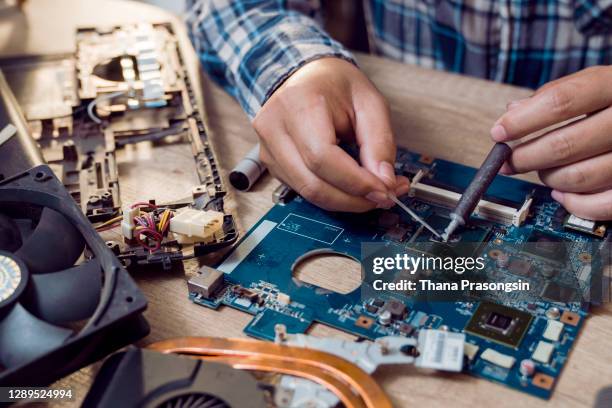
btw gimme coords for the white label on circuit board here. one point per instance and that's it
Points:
(440, 350)
(244, 249)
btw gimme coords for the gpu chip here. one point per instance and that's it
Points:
(546, 246)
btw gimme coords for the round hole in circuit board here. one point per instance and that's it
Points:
(328, 269)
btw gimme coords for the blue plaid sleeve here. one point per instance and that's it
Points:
(593, 17)
(251, 46)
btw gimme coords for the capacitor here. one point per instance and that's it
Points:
(527, 368)
(384, 318)
(553, 313)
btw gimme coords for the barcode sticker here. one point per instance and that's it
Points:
(440, 350)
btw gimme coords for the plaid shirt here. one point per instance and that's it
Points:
(251, 46)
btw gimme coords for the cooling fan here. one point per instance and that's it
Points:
(65, 300)
(149, 379)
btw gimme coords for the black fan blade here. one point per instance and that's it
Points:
(54, 245)
(65, 296)
(10, 237)
(23, 337)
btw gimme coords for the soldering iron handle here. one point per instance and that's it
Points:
(482, 180)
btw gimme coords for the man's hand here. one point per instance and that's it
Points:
(326, 101)
(575, 159)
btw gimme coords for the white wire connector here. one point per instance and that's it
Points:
(128, 225)
(191, 225)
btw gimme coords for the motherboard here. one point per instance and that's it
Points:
(522, 343)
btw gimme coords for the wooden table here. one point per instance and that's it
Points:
(434, 113)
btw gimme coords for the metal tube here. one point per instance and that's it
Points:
(248, 170)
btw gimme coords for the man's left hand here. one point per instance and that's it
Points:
(576, 158)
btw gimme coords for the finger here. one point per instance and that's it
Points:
(514, 104)
(558, 81)
(597, 207)
(584, 176)
(266, 157)
(403, 186)
(325, 158)
(565, 145)
(288, 165)
(375, 137)
(581, 94)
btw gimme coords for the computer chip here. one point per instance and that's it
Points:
(546, 246)
(499, 323)
(519, 267)
(555, 292)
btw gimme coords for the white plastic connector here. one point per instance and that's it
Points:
(128, 225)
(191, 225)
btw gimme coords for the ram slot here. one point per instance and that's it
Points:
(485, 209)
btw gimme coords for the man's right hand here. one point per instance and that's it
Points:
(326, 101)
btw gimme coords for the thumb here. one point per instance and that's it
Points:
(375, 139)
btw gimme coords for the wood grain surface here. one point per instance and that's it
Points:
(434, 113)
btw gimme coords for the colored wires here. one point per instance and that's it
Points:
(144, 204)
(152, 225)
(152, 235)
(164, 222)
(110, 224)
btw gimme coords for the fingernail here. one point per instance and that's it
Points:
(384, 206)
(498, 133)
(380, 198)
(387, 173)
(557, 195)
(506, 170)
(402, 189)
